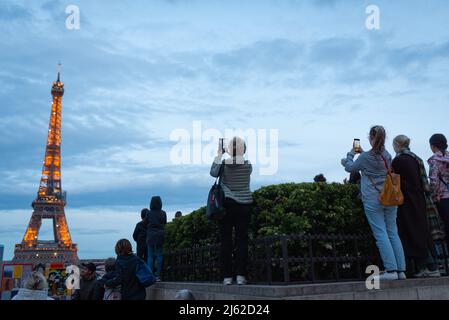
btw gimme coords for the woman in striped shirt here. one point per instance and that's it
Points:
(235, 182)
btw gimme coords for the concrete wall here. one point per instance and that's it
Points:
(415, 289)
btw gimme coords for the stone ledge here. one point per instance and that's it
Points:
(412, 289)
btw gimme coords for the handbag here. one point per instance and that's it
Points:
(215, 201)
(391, 194)
(144, 274)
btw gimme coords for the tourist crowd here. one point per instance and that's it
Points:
(404, 221)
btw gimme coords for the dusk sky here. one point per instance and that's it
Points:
(135, 73)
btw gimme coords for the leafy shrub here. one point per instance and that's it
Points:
(281, 209)
(297, 209)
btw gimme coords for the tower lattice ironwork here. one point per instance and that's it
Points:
(50, 201)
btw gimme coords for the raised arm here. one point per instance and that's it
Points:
(216, 165)
(117, 281)
(352, 166)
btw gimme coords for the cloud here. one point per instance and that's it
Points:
(97, 231)
(274, 56)
(132, 77)
(12, 12)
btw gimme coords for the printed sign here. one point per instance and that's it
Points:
(13, 277)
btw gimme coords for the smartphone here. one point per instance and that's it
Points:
(357, 146)
(221, 145)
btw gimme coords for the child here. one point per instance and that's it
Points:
(102, 291)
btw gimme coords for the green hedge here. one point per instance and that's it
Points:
(282, 209)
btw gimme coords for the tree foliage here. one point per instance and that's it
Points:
(291, 208)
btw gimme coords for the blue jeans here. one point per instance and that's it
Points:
(382, 221)
(159, 259)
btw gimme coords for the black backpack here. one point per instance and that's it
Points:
(215, 201)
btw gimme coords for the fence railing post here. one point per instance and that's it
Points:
(285, 259)
(334, 253)
(311, 259)
(268, 261)
(356, 248)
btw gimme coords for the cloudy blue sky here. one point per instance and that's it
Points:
(136, 72)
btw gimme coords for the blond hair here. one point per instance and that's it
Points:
(36, 281)
(237, 147)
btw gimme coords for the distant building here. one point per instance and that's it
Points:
(2, 249)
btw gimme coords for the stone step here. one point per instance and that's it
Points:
(412, 289)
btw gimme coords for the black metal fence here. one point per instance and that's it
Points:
(289, 259)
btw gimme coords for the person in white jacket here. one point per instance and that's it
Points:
(35, 288)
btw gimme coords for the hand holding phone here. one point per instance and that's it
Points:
(356, 146)
(221, 147)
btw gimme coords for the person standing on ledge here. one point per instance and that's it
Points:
(374, 165)
(439, 177)
(413, 223)
(155, 222)
(238, 206)
(140, 236)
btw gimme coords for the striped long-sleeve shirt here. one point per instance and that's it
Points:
(235, 179)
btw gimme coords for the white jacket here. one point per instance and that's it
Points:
(26, 294)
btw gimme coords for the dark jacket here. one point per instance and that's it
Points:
(99, 288)
(140, 236)
(412, 221)
(86, 290)
(155, 223)
(126, 277)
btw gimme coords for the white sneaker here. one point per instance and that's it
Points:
(387, 276)
(426, 273)
(435, 274)
(402, 276)
(241, 280)
(227, 281)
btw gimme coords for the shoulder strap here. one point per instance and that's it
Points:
(385, 162)
(388, 173)
(220, 172)
(444, 182)
(374, 184)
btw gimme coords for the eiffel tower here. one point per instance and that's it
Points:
(50, 201)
